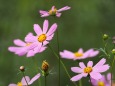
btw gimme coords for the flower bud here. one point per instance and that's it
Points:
(45, 66)
(113, 51)
(22, 68)
(105, 36)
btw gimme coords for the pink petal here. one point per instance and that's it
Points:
(67, 54)
(45, 43)
(50, 37)
(19, 42)
(45, 26)
(37, 49)
(94, 53)
(76, 69)
(37, 29)
(34, 78)
(58, 14)
(52, 29)
(14, 49)
(90, 64)
(53, 7)
(30, 53)
(42, 12)
(101, 68)
(77, 77)
(109, 76)
(80, 50)
(42, 49)
(12, 85)
(64, 8)
(95, 75)
(45, 15)
(30, 38)
(82, 65)
(21, 52)
(27, 79)
(100, 63)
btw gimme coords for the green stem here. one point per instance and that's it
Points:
(36, 67)
(45, 80)
(25, 78)
(80, 82)
(61, 63)
(59, 56)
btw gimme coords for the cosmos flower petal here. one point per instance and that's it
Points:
(45, 43)
(90, 64)
(53, 7)
(76, 69)
(58, 14)
(64, 8)
(94, 53)
(45, 15)
(67, 54)
(12, 85)
(52, 29)
(13, 49)
(30, 53)
(34, 78)
(30, 38)
(100, 63)
(21, 52)
(42, 49)
(80, 50)
(43, 12)
(82, 65)
(45, 26)
(19, 42)
(77, 77)
(95, 75)
(23, 81)
(50, 37)
(37, 49)
(37, 29)
(109, 76)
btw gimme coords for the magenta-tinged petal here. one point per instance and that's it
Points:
(30, 53)
(82, 65)
(19, 42)
(45, 26)
(14, 49)
(50, 37)
(95, 75)
(37, 49)
(109, 76)
(12, 85)
(58, 14)
(80, 50)
(30, 38)
(76, 69)
(94, 82)
(64, 8)
(90, 64)
(77, 77)
(101, 68)
(45, 15)
(67, 54)
(21, 52)
(34, 78)
(37, 29)
(45, 43)
(42, 49)
(52, 29)
(27, 79)
(94, 53)
(53, 7)
(42, 12)
(100, 63)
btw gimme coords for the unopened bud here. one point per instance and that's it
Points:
(113, 51)
(45, 66)
(105, 36)
(22, 68)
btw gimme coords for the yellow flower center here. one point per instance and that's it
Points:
(53, 12)
(88, 69)
(19, 84)
(28, 44)
(42, 38)
(100, 83)
(78, 54)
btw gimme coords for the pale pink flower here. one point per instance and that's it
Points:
(53, 11)
(92, 71)
(80, 54)
(43, 36)
(23, 48)
(104, 81)
(23, 81)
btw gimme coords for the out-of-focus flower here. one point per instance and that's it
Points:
(53, 11)
(105, 37)
(22, 47)
(104, 81)
(113, 40)
(79, 54)
(23, 81)
(43, 36)
(92, 71)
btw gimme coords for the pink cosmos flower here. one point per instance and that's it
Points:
(79, 54)
(104, 81)
(23, 82)
(22, 47)
(43, 36)
(53, 11)
(92, 71)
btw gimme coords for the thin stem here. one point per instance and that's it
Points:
(90, 80)
(36, 67)
(25, 78)
(59, 56)
(80, 82)
(61, 63)
(45, 80)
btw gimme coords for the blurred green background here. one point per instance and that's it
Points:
(82, 26)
